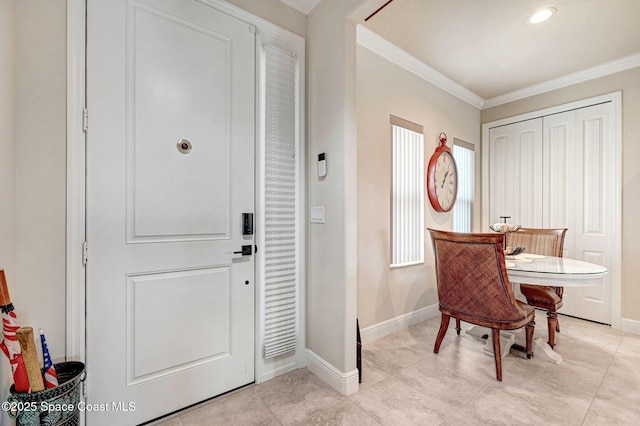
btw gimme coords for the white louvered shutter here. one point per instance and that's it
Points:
(280, 212)
(464, 155)
(407, 246)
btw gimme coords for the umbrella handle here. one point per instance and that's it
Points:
(5, 299)
(12, 410)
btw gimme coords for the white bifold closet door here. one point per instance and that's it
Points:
(558, 171)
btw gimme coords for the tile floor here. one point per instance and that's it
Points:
(405, 383)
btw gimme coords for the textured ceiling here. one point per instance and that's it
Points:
(490, 48)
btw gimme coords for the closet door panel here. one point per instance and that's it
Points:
(515, 173)
(558, 168)
(593, 226)
(578, 166)
(500, 165)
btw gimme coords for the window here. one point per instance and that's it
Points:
(407, 193)
(464, 154)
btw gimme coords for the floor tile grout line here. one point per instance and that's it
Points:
(275, 416)
(604, 377)
(422, 353)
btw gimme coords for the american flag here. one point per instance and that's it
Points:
(9, 344)
(11, 348)
(50, 376)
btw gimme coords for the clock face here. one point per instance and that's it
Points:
(446, 181)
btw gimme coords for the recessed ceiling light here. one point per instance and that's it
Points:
(542, 15)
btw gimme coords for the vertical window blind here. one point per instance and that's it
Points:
(280, 208)
(407, 198)
(464, 155)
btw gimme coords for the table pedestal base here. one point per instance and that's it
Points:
(507, 339)
(541, 349)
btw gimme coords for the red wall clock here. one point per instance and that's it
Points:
(442, 177)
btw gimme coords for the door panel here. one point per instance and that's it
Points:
(515, 173)
(594, 234)
(164, 110)
(170, 306)
(558, 134)
(202, 295)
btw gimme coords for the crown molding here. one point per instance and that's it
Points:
(285, 37)
(302, 6)
(603, 70)
(393, 53)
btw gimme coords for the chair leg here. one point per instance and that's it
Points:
(458, 326)
(552, 325)
(558, 327)
(444, 325)
(529, 329)
(496, 353)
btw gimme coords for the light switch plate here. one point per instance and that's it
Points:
(317, 214)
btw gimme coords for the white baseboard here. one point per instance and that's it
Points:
(630, 326)
(374, 332)
(271, 372)
(344, 383)
(347, 383)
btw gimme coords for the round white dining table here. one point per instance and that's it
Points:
(553, 271)
(541, 270)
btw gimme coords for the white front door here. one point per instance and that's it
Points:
(170, 171)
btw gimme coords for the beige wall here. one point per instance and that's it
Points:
(33, 117)
(8, 209)
(629, 83)
(331, 247)
(7, 138)
(384, 89)
(39, 290)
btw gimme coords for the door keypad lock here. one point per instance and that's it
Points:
(247, 223)
(246, 250)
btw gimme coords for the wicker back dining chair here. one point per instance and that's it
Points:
(473, 286)
(547, 242)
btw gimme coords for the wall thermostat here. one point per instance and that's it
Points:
(322, 165)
